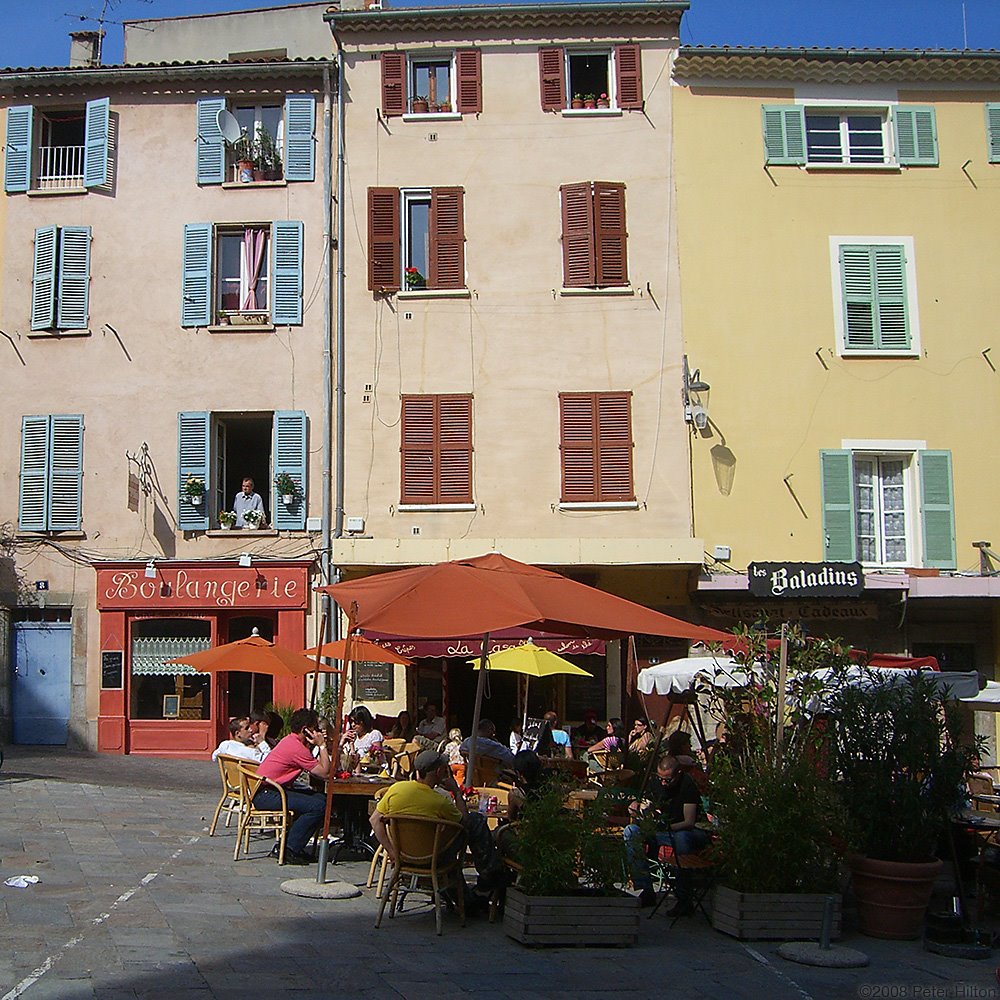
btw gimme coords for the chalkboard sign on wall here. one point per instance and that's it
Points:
(112, 669)
(373, 681)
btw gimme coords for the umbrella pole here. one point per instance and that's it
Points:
(477, 710)
(782, 680)
(319, 649)
(253, 678)
(524, 718)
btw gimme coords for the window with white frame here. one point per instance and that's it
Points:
(881, 135)
(587, 78)
(242, 269)
(263, 136)
(431, 83)
(888, 503)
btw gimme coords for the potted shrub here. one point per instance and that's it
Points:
(589, 101)
(252, 519)
(414, 279)
(286, 488)
(772, 792)
(419, 105)
(577, 102)
(445, 107)
(243, 153)
(267, 159)
(194, 490)
(603, 102)
(903, 766)
(570, 887)
(227, 518)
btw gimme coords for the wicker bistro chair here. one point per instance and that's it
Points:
(380, 859)
(403, 761)
(441, 865)
(260, 819)
(231, 801)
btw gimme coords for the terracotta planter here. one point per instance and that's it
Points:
(576, 105)
(893, 895)
(419, 108)
(603, 103)
(590, 105)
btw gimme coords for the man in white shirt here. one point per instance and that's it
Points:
(246, 500)
(241, 743)
(430, 729)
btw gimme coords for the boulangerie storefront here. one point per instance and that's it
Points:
(153, 613)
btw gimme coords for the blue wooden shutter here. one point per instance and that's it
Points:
(33, 500)
(937, 508)
(916, 137)
(74, 278)
(300, 140)
(290, 455)
(66, 472)
(196, 277)
(43, 279)
(17, 161)
(192, 460)
(784, 134)
(837, 472)
(95, 144)
(992, 131)
(286, 272)
(210, 147)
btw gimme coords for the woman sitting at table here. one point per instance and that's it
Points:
(615, 745)
(403, 728)
(361, 738)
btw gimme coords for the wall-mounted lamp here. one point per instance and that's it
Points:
(245, 559)
(694, 408)
(150, 573)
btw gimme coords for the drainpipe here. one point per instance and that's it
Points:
(325, 544)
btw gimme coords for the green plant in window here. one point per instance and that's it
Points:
(414, 279)
(194, 486)
(227, 518)
(286, 486)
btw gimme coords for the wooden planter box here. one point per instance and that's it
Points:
(566, 920)
(766, 916)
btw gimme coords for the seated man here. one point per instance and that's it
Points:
(243, 742)
(283, 765)
(487, 744)
(421, 797)
(674, 801)
(431, 728)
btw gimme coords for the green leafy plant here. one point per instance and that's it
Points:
(286, 486)
(414, 279)
(227, 518)
(194, 486)
(253, 518)
(285, 711)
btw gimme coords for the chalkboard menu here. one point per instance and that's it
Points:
(373, 681)
(112, 661)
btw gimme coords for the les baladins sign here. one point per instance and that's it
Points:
(795, 580)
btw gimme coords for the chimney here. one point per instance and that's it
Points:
(85, 48)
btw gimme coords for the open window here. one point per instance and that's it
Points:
(607, 77)
(432, 82)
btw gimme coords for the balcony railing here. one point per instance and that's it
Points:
(59, 167)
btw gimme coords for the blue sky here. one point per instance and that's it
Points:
(35, 33)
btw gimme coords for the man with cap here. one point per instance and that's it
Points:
(434, 793)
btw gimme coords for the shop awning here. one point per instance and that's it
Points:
(466, 646)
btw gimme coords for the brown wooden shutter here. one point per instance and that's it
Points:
(454, 449)
(628, 76)
(578, 446)
(614, 446)
(393, 83)
(447, 239)
(417, 447)
(469, 78)
(610, 247)
(552, 78)
(383, 239)
(579, 269)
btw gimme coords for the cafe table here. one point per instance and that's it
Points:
(355, 793)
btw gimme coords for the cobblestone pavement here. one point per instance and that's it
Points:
(136, 900)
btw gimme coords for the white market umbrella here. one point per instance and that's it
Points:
(681, 676)
(987, 700)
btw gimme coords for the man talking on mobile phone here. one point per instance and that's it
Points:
(283, 765)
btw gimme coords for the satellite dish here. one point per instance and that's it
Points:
(229, 126)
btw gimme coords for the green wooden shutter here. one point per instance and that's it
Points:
(992, 131)
(858, 288)
(210, 147)
(290, 455)
(916, 137)
(66, 472)
(784, 134)
(196, 276)
(876, 312)
(43, 278)
(17, 158)
(837, 475)
(74, 278)
(33, 498)
(286, 272)
(889, 266)
(193, 453)
(300, 139)
(95, 143)
(937, 508)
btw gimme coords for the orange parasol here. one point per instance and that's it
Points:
(254, 655)
(361, 649)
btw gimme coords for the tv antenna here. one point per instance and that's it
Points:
(102, 19)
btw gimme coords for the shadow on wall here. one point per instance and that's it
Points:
(724, 467)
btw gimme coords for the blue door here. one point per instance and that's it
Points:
(40, 691)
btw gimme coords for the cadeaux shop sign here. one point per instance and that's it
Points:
(794, 580)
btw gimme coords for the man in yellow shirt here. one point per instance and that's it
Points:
(420, 797)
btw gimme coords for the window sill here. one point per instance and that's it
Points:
(592, 113)
(873, 353)
(434, 116)
(241, 328)
(242, 532)
(411, 508)
(47, 192)
(435, 293)
(56, 334)
(49, 533)
(894, 168)
(599, 505)
(232, 185)
(610, 290)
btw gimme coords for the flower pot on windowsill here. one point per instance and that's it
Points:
(244, 171)
(577, 103)
(922, 571)
(589, 105)
(419, 107)
(603, 103)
